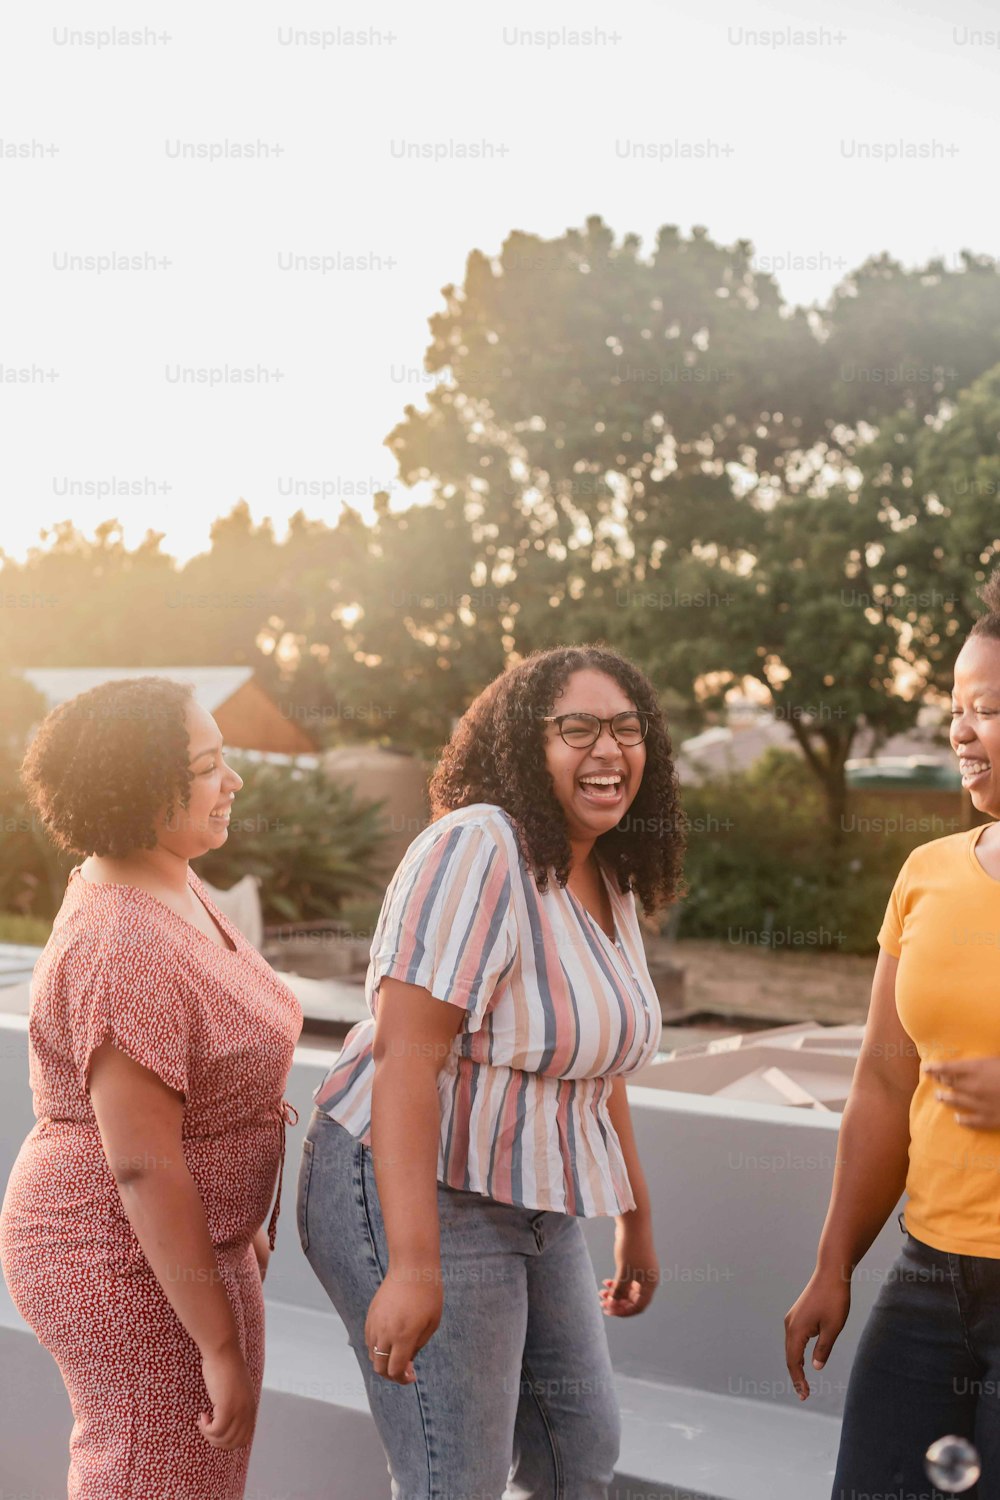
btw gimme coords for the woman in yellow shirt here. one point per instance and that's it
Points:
(924, 1113)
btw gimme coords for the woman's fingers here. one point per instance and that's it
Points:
(967, 1108)
(960, 1099)
(393, 1360)
(796, 1339)
(223, 1435)
(624, 1299)
(398, 1365)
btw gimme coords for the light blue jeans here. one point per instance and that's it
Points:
(514, 1397)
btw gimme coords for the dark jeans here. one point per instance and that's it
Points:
(927, 1366)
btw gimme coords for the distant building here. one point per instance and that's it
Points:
(247, 716)
(398, 779)
(911, 783)
(751, 730)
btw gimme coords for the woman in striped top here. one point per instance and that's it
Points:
(455, 1146)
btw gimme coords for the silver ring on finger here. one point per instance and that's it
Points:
(380, 1353)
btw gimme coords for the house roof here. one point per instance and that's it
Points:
(213, 686)
(724, 750)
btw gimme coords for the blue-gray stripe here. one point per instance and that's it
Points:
(571, 1142)
(451, 840)
(517, 1145)
(533, 908)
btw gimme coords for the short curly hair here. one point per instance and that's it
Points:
(106, 763)
(496, 754)
(988, 624)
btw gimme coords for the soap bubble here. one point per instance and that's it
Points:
(952, 1463)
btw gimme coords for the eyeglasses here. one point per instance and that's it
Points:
(582, 730)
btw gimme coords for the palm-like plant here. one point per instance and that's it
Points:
(311, 842)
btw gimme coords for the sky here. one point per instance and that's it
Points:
(149, 261)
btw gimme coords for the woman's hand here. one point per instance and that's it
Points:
(970, 1087)
(231, 1393)
(402, 1316)
(820, 1313)
(262, 1250)
(637, 1270)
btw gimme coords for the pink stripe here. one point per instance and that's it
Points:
(562, 1120)
(461, 1103)
(472, 954)
(502, 1177)
(416, 900)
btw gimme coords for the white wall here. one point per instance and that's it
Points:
(739, 1192)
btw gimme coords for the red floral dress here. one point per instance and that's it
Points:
(219, 1026)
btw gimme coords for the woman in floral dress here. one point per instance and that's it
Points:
(131, 1234)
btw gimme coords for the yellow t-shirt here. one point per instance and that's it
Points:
(943, 924)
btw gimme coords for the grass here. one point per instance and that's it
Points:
(33, 932)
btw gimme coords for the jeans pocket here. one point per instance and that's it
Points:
(371, 1207)
(302, 1195)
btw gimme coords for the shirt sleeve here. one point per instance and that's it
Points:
(448, 924)
(891, 932)
(127, 992)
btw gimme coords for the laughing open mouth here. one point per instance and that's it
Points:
(972, 769)
(602, 786)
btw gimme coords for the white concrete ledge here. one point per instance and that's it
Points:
(739, 1195)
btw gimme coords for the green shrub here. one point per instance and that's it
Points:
(29, 931)
(761, 868)
(310, 840)
(33, 872)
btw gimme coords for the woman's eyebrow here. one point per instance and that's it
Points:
(202, 753)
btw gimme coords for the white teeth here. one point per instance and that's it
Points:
(974, 767)
(600, 780)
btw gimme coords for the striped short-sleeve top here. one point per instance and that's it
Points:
(554, 1012)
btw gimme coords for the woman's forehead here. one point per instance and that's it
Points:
(588, 690)
(977, 667)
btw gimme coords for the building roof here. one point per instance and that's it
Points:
(213, 686)
(730, 749)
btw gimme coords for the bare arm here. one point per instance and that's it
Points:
(621, 1119)
(873, 1145)
(140, 1119)
(869, 1175)
(637, 1270)
(413, 1037)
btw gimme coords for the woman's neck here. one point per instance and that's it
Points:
(151, 869)
(584, 859)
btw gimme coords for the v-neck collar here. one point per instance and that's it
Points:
(614, 942)
(221, 921)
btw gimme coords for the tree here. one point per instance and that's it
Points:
(934, 483)
(645, 444)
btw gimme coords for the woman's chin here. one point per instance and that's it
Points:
(202, 842)
(986, 801)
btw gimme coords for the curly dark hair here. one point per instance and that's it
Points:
(104, 764)
(989, 623)
(496, 754)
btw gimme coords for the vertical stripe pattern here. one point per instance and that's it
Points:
(554, 1010)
